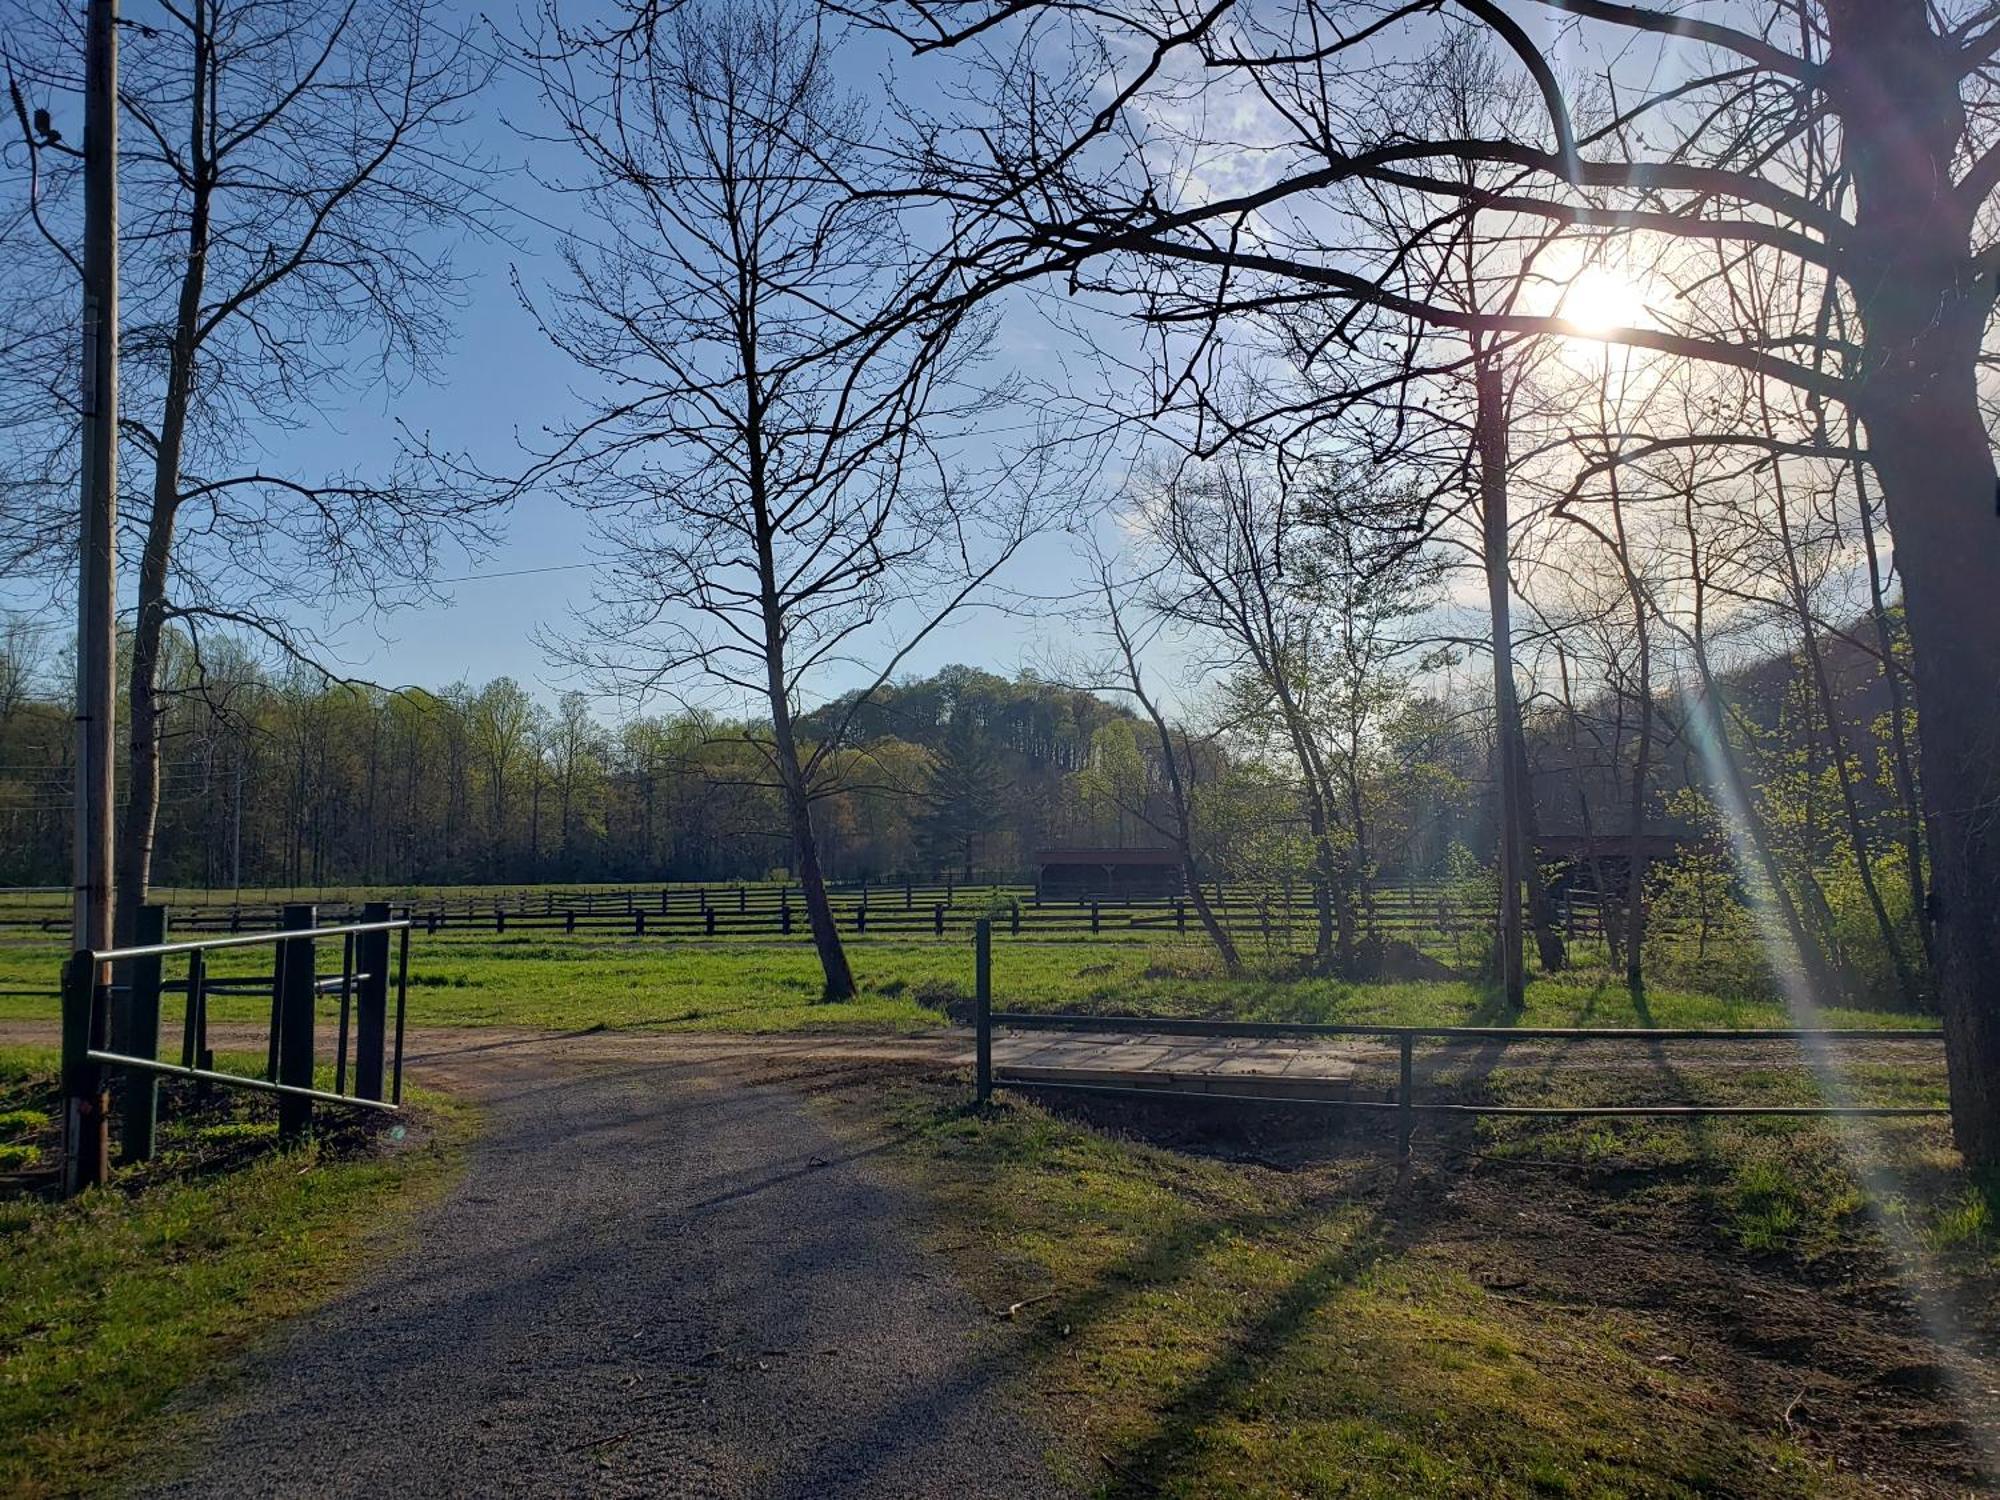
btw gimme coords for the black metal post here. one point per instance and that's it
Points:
(371, 1004)
(402, 1001)
(982, 1010)
(297, 978)
(346, 1012)
(136, 1032)
(194, 1033)
(87, 1107)
(1406, 1114)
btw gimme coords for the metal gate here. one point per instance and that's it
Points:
(112, 1028)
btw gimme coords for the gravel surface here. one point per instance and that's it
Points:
(655, 1279)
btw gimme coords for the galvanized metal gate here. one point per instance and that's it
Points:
(112, 1028)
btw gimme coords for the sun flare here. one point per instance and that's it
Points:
(1601, 299)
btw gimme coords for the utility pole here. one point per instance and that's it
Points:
(86, 1115)
(236, 836)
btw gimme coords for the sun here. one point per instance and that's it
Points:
(1600, 300)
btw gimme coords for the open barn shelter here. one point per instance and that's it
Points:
(1109, 874)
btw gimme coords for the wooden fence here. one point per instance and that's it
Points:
(1273, 915)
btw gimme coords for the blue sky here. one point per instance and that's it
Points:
(499, 380)
(502, 378)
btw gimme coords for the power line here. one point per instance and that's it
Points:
(520, 572)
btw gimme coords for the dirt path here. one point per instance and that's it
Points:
(659, 1276)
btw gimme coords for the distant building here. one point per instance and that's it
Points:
(1577, 861)
(1108, 874)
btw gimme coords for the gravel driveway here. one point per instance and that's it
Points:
(656, 1278)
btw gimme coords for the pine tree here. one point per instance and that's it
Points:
(964, 803)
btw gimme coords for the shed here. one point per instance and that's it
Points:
(1116, 874)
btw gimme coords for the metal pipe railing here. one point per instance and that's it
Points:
(1404, 1101)
(234, 1080)
(237, 940)
(1185, 1026)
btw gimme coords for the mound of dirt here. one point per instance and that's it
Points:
(1392, 958)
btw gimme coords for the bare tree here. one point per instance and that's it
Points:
(291, 184)
(1850, 145)
(779, 465)
(1131, 631)
(1226, 529)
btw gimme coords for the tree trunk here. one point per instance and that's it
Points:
(1924, 304)
(1901, 768)
(1490, 440)
(1527, 830)
(839, 977)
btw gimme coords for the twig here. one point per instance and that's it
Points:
(1014, 1308)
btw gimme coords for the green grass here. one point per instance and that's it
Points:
(111, 1303)
(550, 980)
(1216, 1329)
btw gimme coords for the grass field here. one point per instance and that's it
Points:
(1604, 1310)
(112, 1302)
(551, 980)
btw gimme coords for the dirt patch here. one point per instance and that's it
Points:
(1831, 1352)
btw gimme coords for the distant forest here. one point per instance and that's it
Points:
(299, 781)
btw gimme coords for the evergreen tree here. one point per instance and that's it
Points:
(965, 801)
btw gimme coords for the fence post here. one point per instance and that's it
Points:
(982, 1006)
(708, 921)
(1014, 921)
(86, 1106)
(909, 896)
(371, 1003)
(785, 913)
(1180, 916)
(1405, 1100)
(136, 1033)
(1093, 919)
(742, 900)
(347, 950)
(194, 1024)
(639, 922)
(569, 920)
(297, 978)
(499, 920)
(861, 914)
(402, 1006)
(937, 919)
